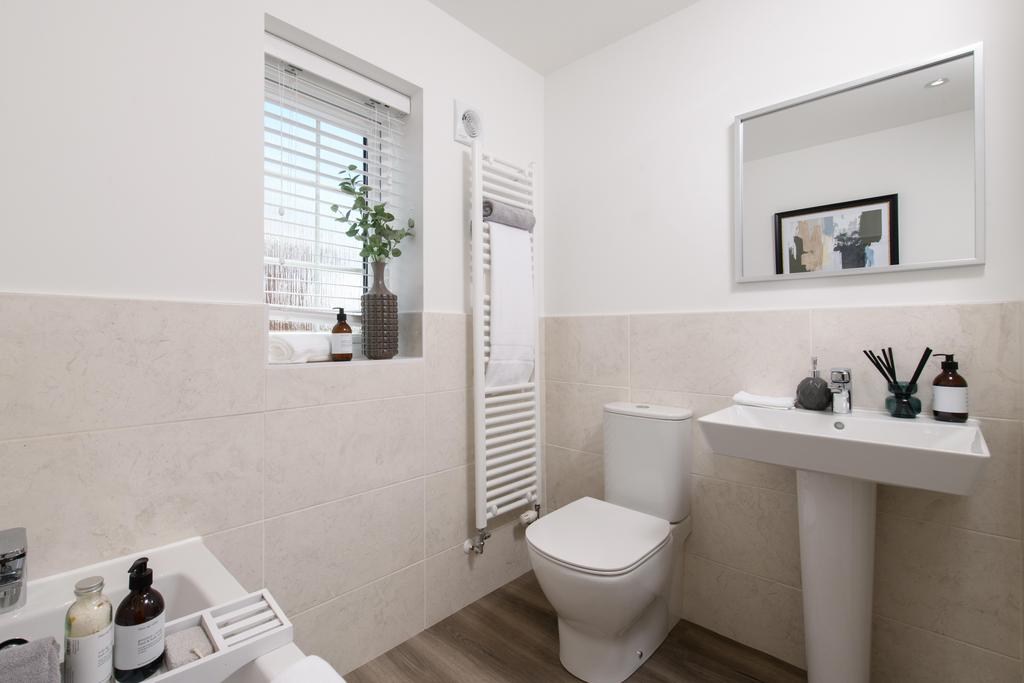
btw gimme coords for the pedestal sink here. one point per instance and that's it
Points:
(839, 459)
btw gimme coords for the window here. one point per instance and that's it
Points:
(313, 130)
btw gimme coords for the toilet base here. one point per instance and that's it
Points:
(597, 658)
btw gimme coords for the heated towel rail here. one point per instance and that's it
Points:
(507, 422)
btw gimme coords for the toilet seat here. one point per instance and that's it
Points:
(595, 537)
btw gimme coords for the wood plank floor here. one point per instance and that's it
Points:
(511, 636)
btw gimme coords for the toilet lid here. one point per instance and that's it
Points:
(597, 536)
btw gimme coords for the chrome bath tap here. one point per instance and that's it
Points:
(13, 570)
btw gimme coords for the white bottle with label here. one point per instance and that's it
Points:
(89, 635)
(139, 627)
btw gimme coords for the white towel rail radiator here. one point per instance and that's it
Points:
(507, 422)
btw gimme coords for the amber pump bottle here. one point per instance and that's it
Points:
(139, 627)
(341, 338)
(949, 392)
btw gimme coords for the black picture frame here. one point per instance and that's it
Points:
(891, 200)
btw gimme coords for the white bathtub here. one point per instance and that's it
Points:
(186, 573)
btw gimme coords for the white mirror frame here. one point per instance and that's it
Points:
(974, 50)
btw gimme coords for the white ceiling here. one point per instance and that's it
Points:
(548, 34)
(894, 102)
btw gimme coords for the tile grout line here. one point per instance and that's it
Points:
(361, 586)
(395, 397)
(945, 636)
(948, 525)
(743, 484)
(743, 571)
(879, 512)
(629, 357)
(423, 574)
(873, 613)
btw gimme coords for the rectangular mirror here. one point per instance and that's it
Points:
(882, 174)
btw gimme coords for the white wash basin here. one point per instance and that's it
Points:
(186, 573)
(920, 453)
(839, 459)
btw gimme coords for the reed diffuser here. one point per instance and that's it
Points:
(902, 402)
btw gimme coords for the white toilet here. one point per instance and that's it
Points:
(606, 567)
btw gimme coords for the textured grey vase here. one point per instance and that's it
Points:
(380, 318)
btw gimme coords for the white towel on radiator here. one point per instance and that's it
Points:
(512, 309)
(299, 347)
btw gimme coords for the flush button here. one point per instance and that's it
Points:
(839, 425)
(642, 406)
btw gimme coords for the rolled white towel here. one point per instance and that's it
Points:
(309, 670)
(776, 402)
(299, 347)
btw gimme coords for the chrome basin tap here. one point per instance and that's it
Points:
(842, 390)
(13, 569)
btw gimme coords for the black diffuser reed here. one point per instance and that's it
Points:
(902, 403)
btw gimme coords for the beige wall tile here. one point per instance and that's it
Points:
(450, 512)
(342, 545)
(313, 384)
(572, 475)
(447, 348)
(315, 455)
(984, 337)
(70, 364)
(994, 505)
(352, 629)
(761, 474)
(905, 654)
(575, 414)
(96, 495)
(455, 579)
(410, 335)
(765, 615)
(954, 582)
(720, 353)
(449, 430)
(241, 552)
(751, 529)
(587, 349)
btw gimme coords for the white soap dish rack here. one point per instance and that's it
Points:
(240, 631)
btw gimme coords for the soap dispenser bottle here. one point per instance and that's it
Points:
(813, 393)
(949, 392)
(139, 627)
(341, 338)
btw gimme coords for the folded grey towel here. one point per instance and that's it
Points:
(509, 215)
(34, 662)
(186, 646)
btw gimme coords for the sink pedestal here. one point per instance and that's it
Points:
(839, 459)
(837, 562)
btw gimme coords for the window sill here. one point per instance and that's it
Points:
(349, 363)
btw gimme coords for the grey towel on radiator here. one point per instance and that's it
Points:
(509, 215)
(34, 662)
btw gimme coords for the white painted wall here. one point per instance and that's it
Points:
(639, 149)
(929, 164)
(132, 156)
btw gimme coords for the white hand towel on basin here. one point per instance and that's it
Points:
(309, 670)
(512, 311)
(777, 402)
(299, 347)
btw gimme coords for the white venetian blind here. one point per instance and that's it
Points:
(313, 129)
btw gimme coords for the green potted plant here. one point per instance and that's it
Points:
(372, 225)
